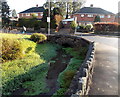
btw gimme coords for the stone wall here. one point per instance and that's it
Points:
(82, 80)
(67, 40)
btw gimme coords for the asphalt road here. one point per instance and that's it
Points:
(105, 77)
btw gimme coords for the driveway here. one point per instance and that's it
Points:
(105, 77)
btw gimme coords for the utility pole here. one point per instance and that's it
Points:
(48, 18)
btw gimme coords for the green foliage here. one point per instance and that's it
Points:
(30, 23)
(11, 49)
(5, 14)
(37, 37)
(97, 19)
(60, 93)
(85, 28)
(73, 25)
(67, 75)
(88, 27)
(28, 72)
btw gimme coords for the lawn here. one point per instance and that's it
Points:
(30, 71)
(38, 65)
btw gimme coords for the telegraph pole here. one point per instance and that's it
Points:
(48, 18)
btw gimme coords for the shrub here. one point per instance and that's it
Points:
(97, 19)
(11, 49)
(73, 25)
(37, 37)
(67, 78)
(88, 27)
(106, 26)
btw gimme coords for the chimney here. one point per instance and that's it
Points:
(91, 5)
(36, 5)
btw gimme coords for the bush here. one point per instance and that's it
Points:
(37, 37)
(106, 26)
(73, 25)
(11, 49)
(67, 78)
(88, 27)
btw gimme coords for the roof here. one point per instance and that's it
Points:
(68, 20)
(93, 10)
(34, 9)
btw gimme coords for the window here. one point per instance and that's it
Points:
(82, 15)
(102, 16)
(109, 16)
(27, 14)
(36, 14)
(64, 22)
(41, 14)
(90, 15)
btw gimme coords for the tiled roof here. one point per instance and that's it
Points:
(93, 10)
(34, 9)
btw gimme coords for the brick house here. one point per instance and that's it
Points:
(37, 11)
(117, 17)
(86, 15)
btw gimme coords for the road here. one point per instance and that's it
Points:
(105, 77)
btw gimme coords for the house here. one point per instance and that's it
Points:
(86, 15)
(37, 11)
(117, 17)
(67, 22)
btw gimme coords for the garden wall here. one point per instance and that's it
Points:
(81, 82)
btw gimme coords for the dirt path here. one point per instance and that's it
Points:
(58, 65)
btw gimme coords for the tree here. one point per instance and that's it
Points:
(67, 7)
(97, 19)
(14, 14)
(5, 13)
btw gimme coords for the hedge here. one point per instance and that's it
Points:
(106, 26)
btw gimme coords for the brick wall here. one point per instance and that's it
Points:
(29, 15)
(91, 19)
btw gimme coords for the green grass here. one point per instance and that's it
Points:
(65, 77)
(30, 71)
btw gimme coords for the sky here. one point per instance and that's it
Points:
(21, 5)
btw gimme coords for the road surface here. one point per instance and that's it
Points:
(105, 77)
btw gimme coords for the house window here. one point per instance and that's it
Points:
(36, 14)
(41, 14)
(27, 14)
(109, 16)
(102, 16)
(90, 15)
(82, 15)
(64, 22)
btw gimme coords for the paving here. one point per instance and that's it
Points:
(105, 76)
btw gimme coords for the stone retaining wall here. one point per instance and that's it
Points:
(67, 40)
(82, 80)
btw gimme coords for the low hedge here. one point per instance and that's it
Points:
(11, 49)
(37, 37)
(106, 26)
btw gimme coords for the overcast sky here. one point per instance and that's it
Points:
(21, 5)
